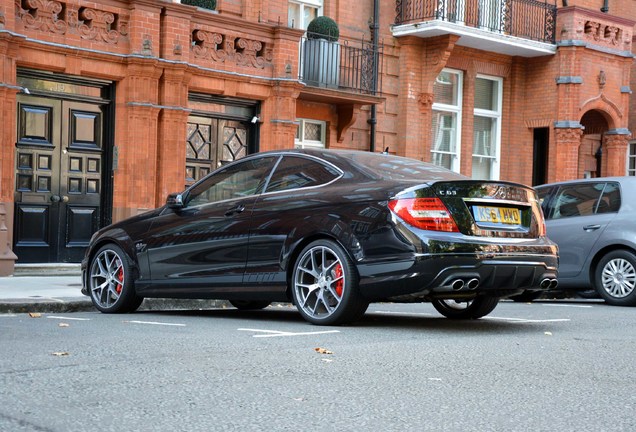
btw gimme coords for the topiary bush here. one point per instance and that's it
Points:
(205, 4)
(323, 27)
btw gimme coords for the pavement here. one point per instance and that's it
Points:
(57, 288)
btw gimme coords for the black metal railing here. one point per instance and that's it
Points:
(528, 19)
(349, 65)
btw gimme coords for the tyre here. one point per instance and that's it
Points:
(615, 278)
(325, 285)
(471, 309)
(526, 296)
(110, 281)
(250, 304)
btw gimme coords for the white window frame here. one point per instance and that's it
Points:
(457, 110)
(318, 4)
(631, 156)
(300, 142)
(496, 115)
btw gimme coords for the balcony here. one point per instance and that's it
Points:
(347, 65)
(524, 28)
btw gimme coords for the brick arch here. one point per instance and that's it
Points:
(606, 108)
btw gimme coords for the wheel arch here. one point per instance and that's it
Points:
(295, 251)
(120, 239)
(599, 256)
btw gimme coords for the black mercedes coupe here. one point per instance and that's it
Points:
(330, 231)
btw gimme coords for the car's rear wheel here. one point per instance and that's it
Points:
(110, 281)
(466, 309)
(250, 304)
(615, 278)
(325, 285)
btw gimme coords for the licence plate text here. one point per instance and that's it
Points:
(499, 215)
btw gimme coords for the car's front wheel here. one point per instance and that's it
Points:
(110, 281)
(325, 285)
(466, 309)
(615, 278)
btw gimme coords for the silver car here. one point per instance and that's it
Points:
(593, 221)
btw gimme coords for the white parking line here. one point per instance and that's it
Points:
(522, 320)
(275, 333)
(156, 323)
(67, 318)
(568, 305)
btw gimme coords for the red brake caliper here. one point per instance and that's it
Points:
(120, 278)
(337, 273)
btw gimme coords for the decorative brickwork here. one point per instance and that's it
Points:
(220, 48)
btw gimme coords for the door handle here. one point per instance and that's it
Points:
(591, 227)
(64, 198)
(238, 209)
(55, 198)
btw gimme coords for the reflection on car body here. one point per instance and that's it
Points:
(330, 231)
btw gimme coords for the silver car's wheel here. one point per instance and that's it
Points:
(324, 285)
(466, 309)
(110, 282)
(616, 278)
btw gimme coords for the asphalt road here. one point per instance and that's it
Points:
(545, 366)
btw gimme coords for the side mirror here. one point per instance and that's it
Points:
(174, 201)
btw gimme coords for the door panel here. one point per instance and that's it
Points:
(58, 179)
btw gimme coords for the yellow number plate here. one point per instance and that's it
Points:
(498, 215)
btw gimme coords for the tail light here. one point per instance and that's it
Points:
(424, 213)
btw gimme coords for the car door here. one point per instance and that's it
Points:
(203, 245)
(576, 217)
(291, 196)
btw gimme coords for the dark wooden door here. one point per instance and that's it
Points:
(58, 179)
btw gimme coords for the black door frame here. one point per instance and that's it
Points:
(65, 90)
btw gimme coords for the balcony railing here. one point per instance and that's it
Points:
(528, 19)
(346, 65)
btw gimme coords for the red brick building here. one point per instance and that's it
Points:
(109, 106)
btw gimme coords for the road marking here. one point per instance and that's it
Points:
(7, 315)
(275, 333)
(67, 318)
(568, 305)
(522, 320)
(526, 320)
(156, 323)
(404, 313)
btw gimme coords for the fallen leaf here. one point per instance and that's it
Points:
(548, 333)
(35, 314)
(63, 325)
(322, 351)
(60, 353)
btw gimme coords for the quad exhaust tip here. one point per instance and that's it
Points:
(549, 283)
(459, 284)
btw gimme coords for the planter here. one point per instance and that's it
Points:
(321, 63)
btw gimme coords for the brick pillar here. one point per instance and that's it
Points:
(568, 141)
(412, 101)
(8, 91)
(135, 179)
(172, 131)
(278, 117)
(615, 154)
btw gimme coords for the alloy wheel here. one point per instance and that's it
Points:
(107, 277)
(618, 278)
(319, 282)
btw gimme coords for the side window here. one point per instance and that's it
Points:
(544, 199)
(297, 172)
(235, 181)
(577, 200)
(610, 201)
